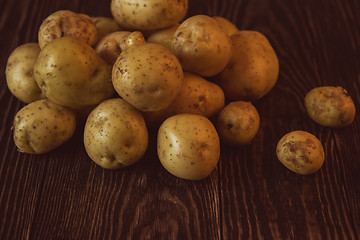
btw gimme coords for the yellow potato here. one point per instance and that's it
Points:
(105, 26)
(253, 68)
(115, 134)
(163, 36)
(148, 15)
(70, 73)
(238, 123)
(42, 126)
(65, 23)
(301, 152)
(188, 146)
(226, 25)
(20, 73)
(148, 76)
(330, 106)
(201, 46)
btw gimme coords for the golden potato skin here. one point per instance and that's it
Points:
(115, 134)
(105, 26)
(330, 106)
(188, 146)
(253, 68)
(70, 73)
(238, 123)
(226, 25)
(148, 15)
(201, 46)
(110, 46)
(163, 36)
(148, 76)
(65, 23)
(20, 73)
(42, 126)
(300, 152)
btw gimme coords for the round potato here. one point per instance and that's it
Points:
(20, 75)
(201, 46)
(42, 126)
(238, 123)
(330, 106)
(163, 36)
(188, 146)
(110, 46)
(65, 23)
(148, 76)
(301, 152)
(148, 15)
(226, 25)
(70, 73)
(253, 68)
(105, 26)
(115, 134)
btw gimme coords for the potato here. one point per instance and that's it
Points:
(163, 36)
(19, 73)
(70, 73)
(65, 23)
(201, 46)
(42, 126)
(301, 152)
(110, 46)
(253, 68)
(238, 123)
(105, 26)
(197, 95)
(148, 15)
(115, 134)
(226, 25)
(148, 76)
(330, 106)
(188, 146)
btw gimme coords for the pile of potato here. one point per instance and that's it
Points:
(148, 67)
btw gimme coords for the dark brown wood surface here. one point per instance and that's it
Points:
(250, 195)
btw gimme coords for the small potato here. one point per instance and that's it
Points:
(147, 76)
(70, 73)
(65, 23)
(197, 96)
(330, 106)
(301, 152)
(105, 26)
(253, 68)
(163, 36)
(42, 126)
(148, 15)
(238, 123)
(226, 25)
(115, 134)
(110, 46)
(188, 146)
(19, 73)
(201, 46)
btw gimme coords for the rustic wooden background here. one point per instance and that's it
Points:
(250, 195)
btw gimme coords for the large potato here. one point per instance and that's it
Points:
(163, 36)
(65, 23)
(115, 134)
(197, 95)
(238, 123)
(148, 76)
(226, 25)
(300, 152)
(42, 126)
(330, 106)
(70, 73)
(148, 15)
(253, 68)
(202, 46)
(188, 146)
(20, 73)
(105, 26)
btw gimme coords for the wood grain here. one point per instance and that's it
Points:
(250, 195)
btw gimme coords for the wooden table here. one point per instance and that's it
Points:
(250, 195)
